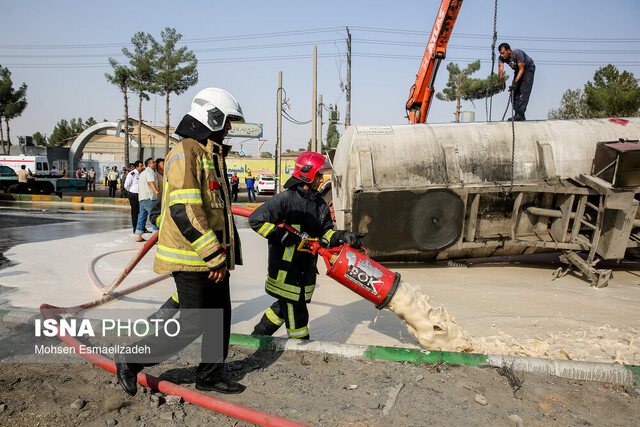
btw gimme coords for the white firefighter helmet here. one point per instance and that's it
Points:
(212, 106)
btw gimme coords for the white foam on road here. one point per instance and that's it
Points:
(509, 302)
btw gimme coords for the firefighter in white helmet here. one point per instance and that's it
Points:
(291, 276)
(198, 243)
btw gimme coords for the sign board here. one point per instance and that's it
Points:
(241, 152)
(246, 130)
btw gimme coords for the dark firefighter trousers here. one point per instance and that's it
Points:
(197, 291)
(293, 313)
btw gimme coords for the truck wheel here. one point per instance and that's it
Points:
(20, 188)
(44, 188)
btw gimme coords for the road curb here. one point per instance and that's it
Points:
(626, 375)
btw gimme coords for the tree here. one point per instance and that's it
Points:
(266, 155)
(39, 139)
(333, 137)
(573, 105)
(68, 129)
(461, 86)
(142, 71)
(121, 78)
(12, 103)
(613, 93)
(610, 94)
(176, 70)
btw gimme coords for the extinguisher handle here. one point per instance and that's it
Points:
(290, 229)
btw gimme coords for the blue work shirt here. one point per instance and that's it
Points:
(518, 56)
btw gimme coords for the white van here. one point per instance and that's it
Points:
(38, 165)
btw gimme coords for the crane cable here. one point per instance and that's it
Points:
(509, 102)
(493, 63)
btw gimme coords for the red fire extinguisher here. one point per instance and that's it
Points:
(353, 269)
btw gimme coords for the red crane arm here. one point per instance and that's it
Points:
(421, 92)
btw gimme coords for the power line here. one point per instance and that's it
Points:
(510, 37)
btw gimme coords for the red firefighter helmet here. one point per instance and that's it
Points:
(308, 164)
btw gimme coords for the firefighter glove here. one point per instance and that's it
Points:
(514, 86)
(283, 237)
(341, 237)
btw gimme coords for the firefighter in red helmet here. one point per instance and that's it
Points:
(291, 276)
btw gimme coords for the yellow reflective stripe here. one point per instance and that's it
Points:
(296, 226)
(185, 197)
(283, 285)
(273, 317)
(179, 256)
(266, 229)
(292, 319)
(327, 235)
(281, 292)
(288, 253)
(203, 240)
(175, 297)
(308, 291)
(298, 333)
(207, 164)
(163, 208)
(282, 275)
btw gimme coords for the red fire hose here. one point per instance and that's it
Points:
(195, 397)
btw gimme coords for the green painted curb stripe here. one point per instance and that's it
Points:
(635, 371)
(585, 370)
(262, 343)
(417, 356)
(393, 354)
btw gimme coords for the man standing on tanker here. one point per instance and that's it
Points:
(197, 244)
(524, 70)
(291, 276)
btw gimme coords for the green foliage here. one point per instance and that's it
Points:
(460, 85)
(611, 94)
(333, 137)
(39, 139)
(141, 61)
(121, 76)
(12, 102)
(176, 68)
(68, 129)
(573, 105)
(266, 155)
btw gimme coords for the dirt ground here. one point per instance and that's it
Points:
(314, 389)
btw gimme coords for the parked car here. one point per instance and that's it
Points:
(266, 184)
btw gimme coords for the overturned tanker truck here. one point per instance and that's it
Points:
(460, 190)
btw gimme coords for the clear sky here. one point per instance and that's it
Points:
(60, 49)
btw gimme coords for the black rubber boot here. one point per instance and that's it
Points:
(265, 327)
(127, 374)
(221, 385)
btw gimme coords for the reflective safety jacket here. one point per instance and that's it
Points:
(292, 273)
(197, 232)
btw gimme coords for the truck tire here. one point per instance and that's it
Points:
(20, 188)
(43, 188)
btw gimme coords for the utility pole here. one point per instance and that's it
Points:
(320, 105)
(279, 134)
(314, 107)
(347, 115)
